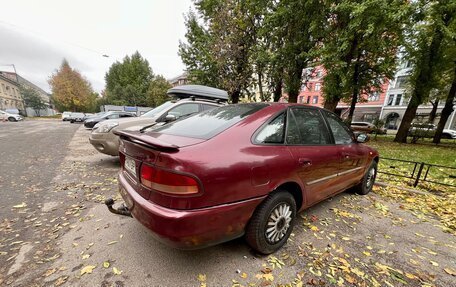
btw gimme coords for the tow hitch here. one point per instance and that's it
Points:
(122, 210)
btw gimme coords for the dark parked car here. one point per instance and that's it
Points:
(92, 121)
(76, 117)
(236, 170)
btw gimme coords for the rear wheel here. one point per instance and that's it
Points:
(12, 119)
(366, 185)
(272, 222)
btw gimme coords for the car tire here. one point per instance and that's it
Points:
(367, 183)
(272, 222)
(12, 119)
(446, 136)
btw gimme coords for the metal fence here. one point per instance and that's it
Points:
(418, 172)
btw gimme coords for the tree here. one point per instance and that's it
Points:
(295, 30)
(156, 94)
(359, 48)
(219, 51)
(32, 99)
(430, 38)
(127, 82)
(70, 91)
(197, 55)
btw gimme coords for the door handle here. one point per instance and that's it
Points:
(345, 155)
(305, 161)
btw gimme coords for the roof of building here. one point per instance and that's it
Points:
(8, 80)
(21, 80)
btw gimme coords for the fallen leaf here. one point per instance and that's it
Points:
(244, 275)
(106, 264)
(201, 277)
(88, 269)
(450, 271)
(116, 271)
(434, 263)
(85, 256)
(112, 242)
(22, 205)
(268, 277)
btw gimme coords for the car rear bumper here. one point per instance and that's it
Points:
(106, 143)
(189, 229)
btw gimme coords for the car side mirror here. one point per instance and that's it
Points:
(362, 138)
(170, 118)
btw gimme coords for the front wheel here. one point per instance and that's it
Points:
(367, 183)
(12, 119)
(272, 222)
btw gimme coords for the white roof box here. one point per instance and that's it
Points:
(198, 91)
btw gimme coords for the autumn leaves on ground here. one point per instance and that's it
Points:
(390, 237)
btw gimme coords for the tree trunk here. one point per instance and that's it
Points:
(235, 96)
(331, 103)
(406, 122)
(433, 113)
(260, 87)
(447, 110)
(278, 90)
(355, 91)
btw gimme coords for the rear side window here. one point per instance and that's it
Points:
(310, 126)
(341, 133)
(209, 123)
(208, 107)
(273, 132)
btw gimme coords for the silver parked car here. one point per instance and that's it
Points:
(189, 99)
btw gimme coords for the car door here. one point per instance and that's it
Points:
(2, 116)
(352, 157)
(310, 143)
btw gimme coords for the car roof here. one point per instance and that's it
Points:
(199, 91)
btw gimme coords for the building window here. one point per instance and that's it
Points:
(398, 100)
(401, 81)
(390, 100)
(300, 100)
(310, 87)
(308, 100)
(317, 86)
(373, 97)
(3, 87)
(8, 92)
(315, 100)
(319, 74)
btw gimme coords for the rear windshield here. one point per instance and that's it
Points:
(209, 123)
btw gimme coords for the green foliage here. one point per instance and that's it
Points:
(32, 99)
(359, 46)
(156, 94)
(431, 49)
(127, 82)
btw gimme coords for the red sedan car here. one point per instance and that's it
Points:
(244, 169)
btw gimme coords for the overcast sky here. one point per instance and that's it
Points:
(36, 35)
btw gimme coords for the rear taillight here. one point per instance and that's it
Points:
(167, 182)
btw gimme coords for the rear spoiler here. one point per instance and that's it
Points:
(145, 139)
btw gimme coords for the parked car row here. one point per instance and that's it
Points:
(197, 171)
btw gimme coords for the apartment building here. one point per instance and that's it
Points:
(10, 96)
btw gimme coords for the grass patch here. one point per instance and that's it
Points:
(423, 151)
(438, 179)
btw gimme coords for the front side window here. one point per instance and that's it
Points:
(341, 133)
(309, 125)
(273, 132)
